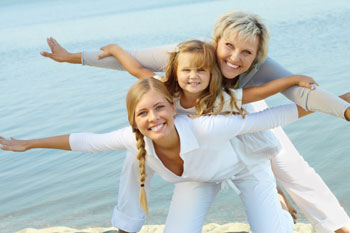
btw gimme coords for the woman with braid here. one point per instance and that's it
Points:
(179, 148)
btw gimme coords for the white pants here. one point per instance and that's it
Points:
(307, 188)
(191, 201)
(258, 193)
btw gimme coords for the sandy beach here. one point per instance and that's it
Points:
(209, 228)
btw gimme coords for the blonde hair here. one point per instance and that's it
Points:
(211, 101)
(204, 56)
(248, 26)
(135, 93)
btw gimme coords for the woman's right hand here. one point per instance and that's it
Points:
(306, 81)
(13, 144)
(58, 53)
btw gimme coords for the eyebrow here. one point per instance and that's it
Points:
(143, 109)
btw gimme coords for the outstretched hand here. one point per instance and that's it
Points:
(307, 82)
(58, 53)
(13, 144)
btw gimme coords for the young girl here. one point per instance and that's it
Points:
(177, 148)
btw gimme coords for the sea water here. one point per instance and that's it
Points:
(39, 97)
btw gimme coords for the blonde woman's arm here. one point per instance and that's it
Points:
(56, 142)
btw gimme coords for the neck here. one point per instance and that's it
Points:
(188, 100)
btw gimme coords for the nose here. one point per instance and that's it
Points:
(193, 74)
(235, 56)
(153, 116)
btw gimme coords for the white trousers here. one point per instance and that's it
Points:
(191, 201)
(307, 188)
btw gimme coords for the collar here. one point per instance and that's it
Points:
(188, 140)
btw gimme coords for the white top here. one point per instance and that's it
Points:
(205, 142)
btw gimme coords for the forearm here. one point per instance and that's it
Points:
(318, 100)
(57, 142)
(154, 59)
(252, 94)
(130, 63)
(73, 58)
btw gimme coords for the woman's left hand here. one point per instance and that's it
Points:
(13, 144)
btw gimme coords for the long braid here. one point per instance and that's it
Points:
(141, 156)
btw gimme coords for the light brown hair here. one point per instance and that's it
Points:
(135, 93)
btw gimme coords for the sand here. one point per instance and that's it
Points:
(209, 228)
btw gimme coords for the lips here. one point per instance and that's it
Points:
(194, 84)
(233, 66)
(157, 127)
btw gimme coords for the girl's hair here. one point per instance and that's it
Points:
(135, 93)
(248, 26)
(211, 101)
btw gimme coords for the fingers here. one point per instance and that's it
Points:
(308, 85)
(102, 55)
(46, 54)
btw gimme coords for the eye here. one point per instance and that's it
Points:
(229, 45)
(186, 70)
(247, 52)
(200, 69)
(142, 113)
(159, 107)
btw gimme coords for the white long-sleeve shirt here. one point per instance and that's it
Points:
(204, 143)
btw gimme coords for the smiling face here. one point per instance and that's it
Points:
(235, 54)
(154, 116)
(192, 79)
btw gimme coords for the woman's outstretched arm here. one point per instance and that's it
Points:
(317, 100)
(56, 142)
(154, 59)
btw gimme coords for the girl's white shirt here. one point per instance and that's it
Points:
(204, 143)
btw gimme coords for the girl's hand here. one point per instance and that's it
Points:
(306, 81)
(13, 144)
(108, 50)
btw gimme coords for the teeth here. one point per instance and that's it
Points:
(232, 65)
(194, 83)
(155, 128)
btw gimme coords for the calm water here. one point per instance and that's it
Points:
(38, 97)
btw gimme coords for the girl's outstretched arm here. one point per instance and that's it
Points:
(252, 94)
(57, 142)
(127, 61)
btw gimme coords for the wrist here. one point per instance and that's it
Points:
(29, 144)
(73, 58)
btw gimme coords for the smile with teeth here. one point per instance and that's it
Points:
(157, 127)
(232, 65)
(193, 83)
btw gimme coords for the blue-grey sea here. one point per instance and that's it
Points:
(39, 97)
